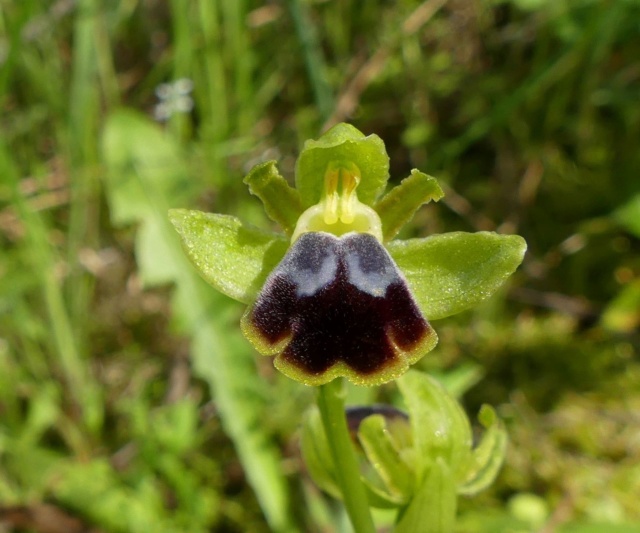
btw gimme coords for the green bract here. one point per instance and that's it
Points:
(334, 295)
(419, 465)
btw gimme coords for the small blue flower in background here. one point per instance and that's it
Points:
(174, 97)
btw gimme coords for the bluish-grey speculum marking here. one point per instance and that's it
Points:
(338, 299)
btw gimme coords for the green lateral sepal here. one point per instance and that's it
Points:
(451, 272)
(233, 257)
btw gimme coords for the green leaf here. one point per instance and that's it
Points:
(440, 426)
(433, 509)
(41, 256)
(29, 468)
(44, 411)
(342, 143)
(451, 272)
(142, 160)
(145, 171)
(175, 425)
(488, 456)
(398, 206)
(529, 508)
(384, 456)
(317, 455)
(281, 201)
(604, 527)
(94, 489)
(219, 354)
(629, 215)
(622, 314)
(233, 257)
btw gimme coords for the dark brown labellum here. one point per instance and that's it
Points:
(341, 304)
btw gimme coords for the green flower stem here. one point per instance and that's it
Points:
(331, 405)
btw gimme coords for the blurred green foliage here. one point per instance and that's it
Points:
(127, 399)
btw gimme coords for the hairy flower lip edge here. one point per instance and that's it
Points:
(402, 359)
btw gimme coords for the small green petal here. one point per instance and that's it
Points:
(399, 205)
(488, 456)
(342, 144)
(451, 272)
(281, 201)
(233, 257)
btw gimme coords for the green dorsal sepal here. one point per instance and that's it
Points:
(343, 143)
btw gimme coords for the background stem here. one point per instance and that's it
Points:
(331, 405)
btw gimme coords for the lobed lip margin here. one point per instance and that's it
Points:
(359, 321)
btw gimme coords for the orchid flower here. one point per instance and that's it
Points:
(334, 294)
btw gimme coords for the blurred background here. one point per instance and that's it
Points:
(129, 402)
